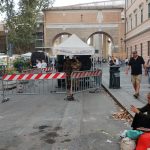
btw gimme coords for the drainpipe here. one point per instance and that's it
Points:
(125, 28)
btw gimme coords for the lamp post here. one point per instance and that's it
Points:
(7, 51)
(121, 40)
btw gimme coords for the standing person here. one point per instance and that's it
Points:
(68, 70)
(39, 64)
(135, 63)
(117, 61)
(76, 66)
(20, 67)
(98, 60)
(44, 64)
(126, 61)
(148, 70)
(112, 63)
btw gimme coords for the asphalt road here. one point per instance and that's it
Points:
(48, 122)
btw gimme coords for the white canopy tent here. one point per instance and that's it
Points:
(73, 46)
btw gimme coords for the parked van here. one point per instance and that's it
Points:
(39, 55)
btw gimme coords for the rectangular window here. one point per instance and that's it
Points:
(127, 25)
(131, 22)
(96, 51)
(148, 48)
(39, 35)
(141, 49)
(135, 19)
(149, 10)
(141, 15)
(135, 47)
(39, 43)
(131, 51)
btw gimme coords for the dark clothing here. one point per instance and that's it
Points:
(85, 62)
(114, 82)
(20, 67)
(144, 109)
(126, 63)
(136, 65)
(111, 64)
(142, 119)
(67, 66)
(148, 64)
(67, 69)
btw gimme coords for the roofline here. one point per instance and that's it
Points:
(83, 8)
(95, 3)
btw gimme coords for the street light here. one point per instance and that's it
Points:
(7, 51)
(122, 40)
(6, 33)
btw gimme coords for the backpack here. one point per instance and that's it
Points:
(133, 134)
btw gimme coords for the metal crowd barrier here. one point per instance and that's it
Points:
(37, 70)
(28, 84)
(48, 83)
(85, 81)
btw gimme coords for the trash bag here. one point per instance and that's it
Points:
(133, 134)
(127, 144)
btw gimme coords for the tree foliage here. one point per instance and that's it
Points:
(22, 23)
(7, 7)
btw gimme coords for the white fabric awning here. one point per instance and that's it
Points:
(73, 46)
(27, 54)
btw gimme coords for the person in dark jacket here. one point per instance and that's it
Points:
(68, 70)
(142, 115)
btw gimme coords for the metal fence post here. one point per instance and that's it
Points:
(4, 98)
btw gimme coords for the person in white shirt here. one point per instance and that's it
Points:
(39, 64)
(126, 61)
(44, 64)
(117, 61)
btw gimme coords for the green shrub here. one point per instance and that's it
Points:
(20, 62)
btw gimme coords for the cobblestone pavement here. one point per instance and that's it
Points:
(125, 82)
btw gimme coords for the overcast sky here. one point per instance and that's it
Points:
(65, 3)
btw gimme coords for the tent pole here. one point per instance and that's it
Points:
(93, 61)
(53, 63)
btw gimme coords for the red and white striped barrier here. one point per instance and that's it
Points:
(37, 70)
(50, 69)
(83, 74)
(40, 76)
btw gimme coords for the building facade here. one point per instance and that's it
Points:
(85, 22)
(138, 27)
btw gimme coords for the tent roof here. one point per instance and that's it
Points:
(73, 46)
(27, 54)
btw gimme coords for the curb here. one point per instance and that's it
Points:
(116, 100)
